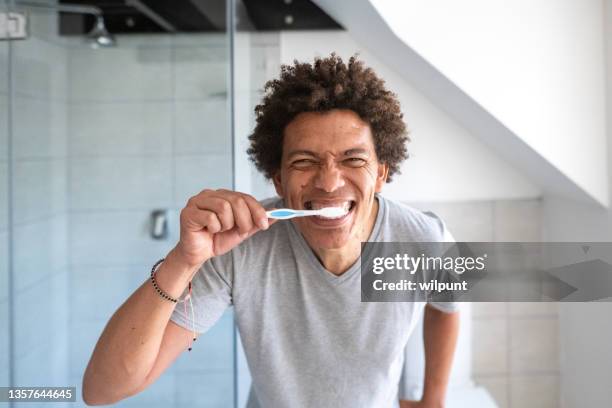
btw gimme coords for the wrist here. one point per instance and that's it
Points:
(185, 258)
(174, 274)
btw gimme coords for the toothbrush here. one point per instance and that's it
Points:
(287, 213)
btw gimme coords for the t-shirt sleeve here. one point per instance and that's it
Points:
(446, 236)
(211, 294)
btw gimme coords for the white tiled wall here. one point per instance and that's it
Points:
(515, 346)
(190, 127)
(148, 124)
(38, 198)
(39, 218)
(120, 183)
(39, 250)
(39, 65)
(147, 129)
(100, 139)
(39, 129)
(139, 69)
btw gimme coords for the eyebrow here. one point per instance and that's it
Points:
(355, 151)
(348, 152)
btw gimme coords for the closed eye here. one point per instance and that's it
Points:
(303, 163)
(355, 162)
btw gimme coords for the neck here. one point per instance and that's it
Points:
(339, 260)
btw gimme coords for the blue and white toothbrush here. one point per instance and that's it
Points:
(287, 213)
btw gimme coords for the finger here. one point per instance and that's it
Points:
(242, 214)
(195, 219)
(271, 222)
(220, 206)
(213, 225)
(241, 207)
(258, 213)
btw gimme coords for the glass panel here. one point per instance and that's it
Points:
(4, 204)
(103, 138)
(256, 60)
(39, 219)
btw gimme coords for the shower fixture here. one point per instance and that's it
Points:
(98, 37)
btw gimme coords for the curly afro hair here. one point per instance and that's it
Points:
(327, 84)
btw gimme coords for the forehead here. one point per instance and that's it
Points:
(327, 131)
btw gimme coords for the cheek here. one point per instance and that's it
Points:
(379, 185)
(364, 179)
(297, 180)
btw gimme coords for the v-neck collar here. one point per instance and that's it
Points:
(314, 261)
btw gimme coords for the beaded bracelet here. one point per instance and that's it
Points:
(171, 299)
(154, 282)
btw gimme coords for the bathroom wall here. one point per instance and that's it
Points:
(509, 70)
(585, 329)
(515, 346)
(39, 217)
(147, 129)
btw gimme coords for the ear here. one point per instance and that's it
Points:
(381, 176)
(276, 179)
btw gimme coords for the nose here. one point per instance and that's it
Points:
(329, 178)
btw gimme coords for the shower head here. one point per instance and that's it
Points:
(99, 36)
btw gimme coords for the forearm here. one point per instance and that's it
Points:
(129, 345)
(440, 332)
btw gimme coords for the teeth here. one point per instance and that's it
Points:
(316, 205)
(313, 205)
(336, 217)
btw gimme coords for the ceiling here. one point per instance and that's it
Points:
(187, 16)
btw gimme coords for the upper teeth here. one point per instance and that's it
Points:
(334, 212)
(344, 207)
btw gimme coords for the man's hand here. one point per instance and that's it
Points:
(215, 221)
(440, 331)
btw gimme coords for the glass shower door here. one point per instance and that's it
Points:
(106, 141)
(4, 211)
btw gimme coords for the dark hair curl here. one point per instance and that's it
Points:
(327, 84)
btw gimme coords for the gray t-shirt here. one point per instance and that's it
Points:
(308, 338)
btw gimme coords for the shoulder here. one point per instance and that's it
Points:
(408, 223)
(271, 202)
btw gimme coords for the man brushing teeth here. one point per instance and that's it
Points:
(329, 160)
(328, 134)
